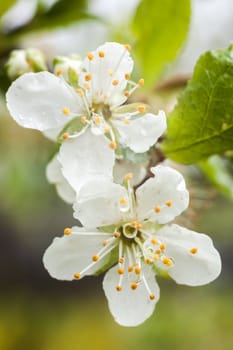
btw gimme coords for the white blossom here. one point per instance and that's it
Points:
(80, 159)
(47, 102)
(134, 232)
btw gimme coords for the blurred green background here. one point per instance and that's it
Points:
(40, 313)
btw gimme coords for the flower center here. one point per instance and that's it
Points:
(131, 230)
(102, 109)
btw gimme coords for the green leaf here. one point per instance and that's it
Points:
(160, 28)
(202, 122)
(5, 5)
(220, 172)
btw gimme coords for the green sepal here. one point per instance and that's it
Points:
(131, 108)
(161, 272)
(113, 257)
(73, 127)
(73, 77)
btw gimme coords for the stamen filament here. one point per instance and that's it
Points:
(151, 295)
(99, 259)
(80, 233)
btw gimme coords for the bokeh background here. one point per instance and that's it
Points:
(39, 313)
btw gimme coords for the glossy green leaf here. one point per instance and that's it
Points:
(220, 172)
(201, 125)
(160, 28)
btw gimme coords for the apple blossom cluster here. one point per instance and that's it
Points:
(83, 106)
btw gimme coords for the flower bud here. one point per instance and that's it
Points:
(24, 61)
(68, 67)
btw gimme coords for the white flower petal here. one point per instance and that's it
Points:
(166, 191)
(130, 307)
(85, 157)
(143, 132)
(99, 203)
(72, 253)
(193, 269)
(37, 100)
(104, 71)
(52, 134)
(123, 167)
(55, 176)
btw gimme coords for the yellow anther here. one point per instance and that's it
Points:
(77, 275)
(153, 241)
(157, 209)
(65, 136)
(134, 224)
(130, 268)
(101, 54)
(120, 270)
(126, 93)
(137, 270)
(119, 288)
(156, 257)
(141, 82)
(98, 120)
(88, 77)
(128, 47)
(167, 261)
(87, 86)
(117, 234)
(147, 261)
(67, 231)
(126, 121)
(139, 226)
(66, 111)
(152, 296)
(162, 246)
(121, 260)
(127, 76)
(158, 251)
(105, 242)
(110, 72)
(107, 129)
(128, 176)
(193, 250)
(83, 119)
(169, 203)
(112, 145)
(134, 285)
(80, 92)
(141, 108)
(115, 82)
(95, 258)
(123, 201)
(90, 56)
(59, 72)
(92, 109)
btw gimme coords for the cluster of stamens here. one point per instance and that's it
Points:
(156, 252)
(86, 96)
(134, 244)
